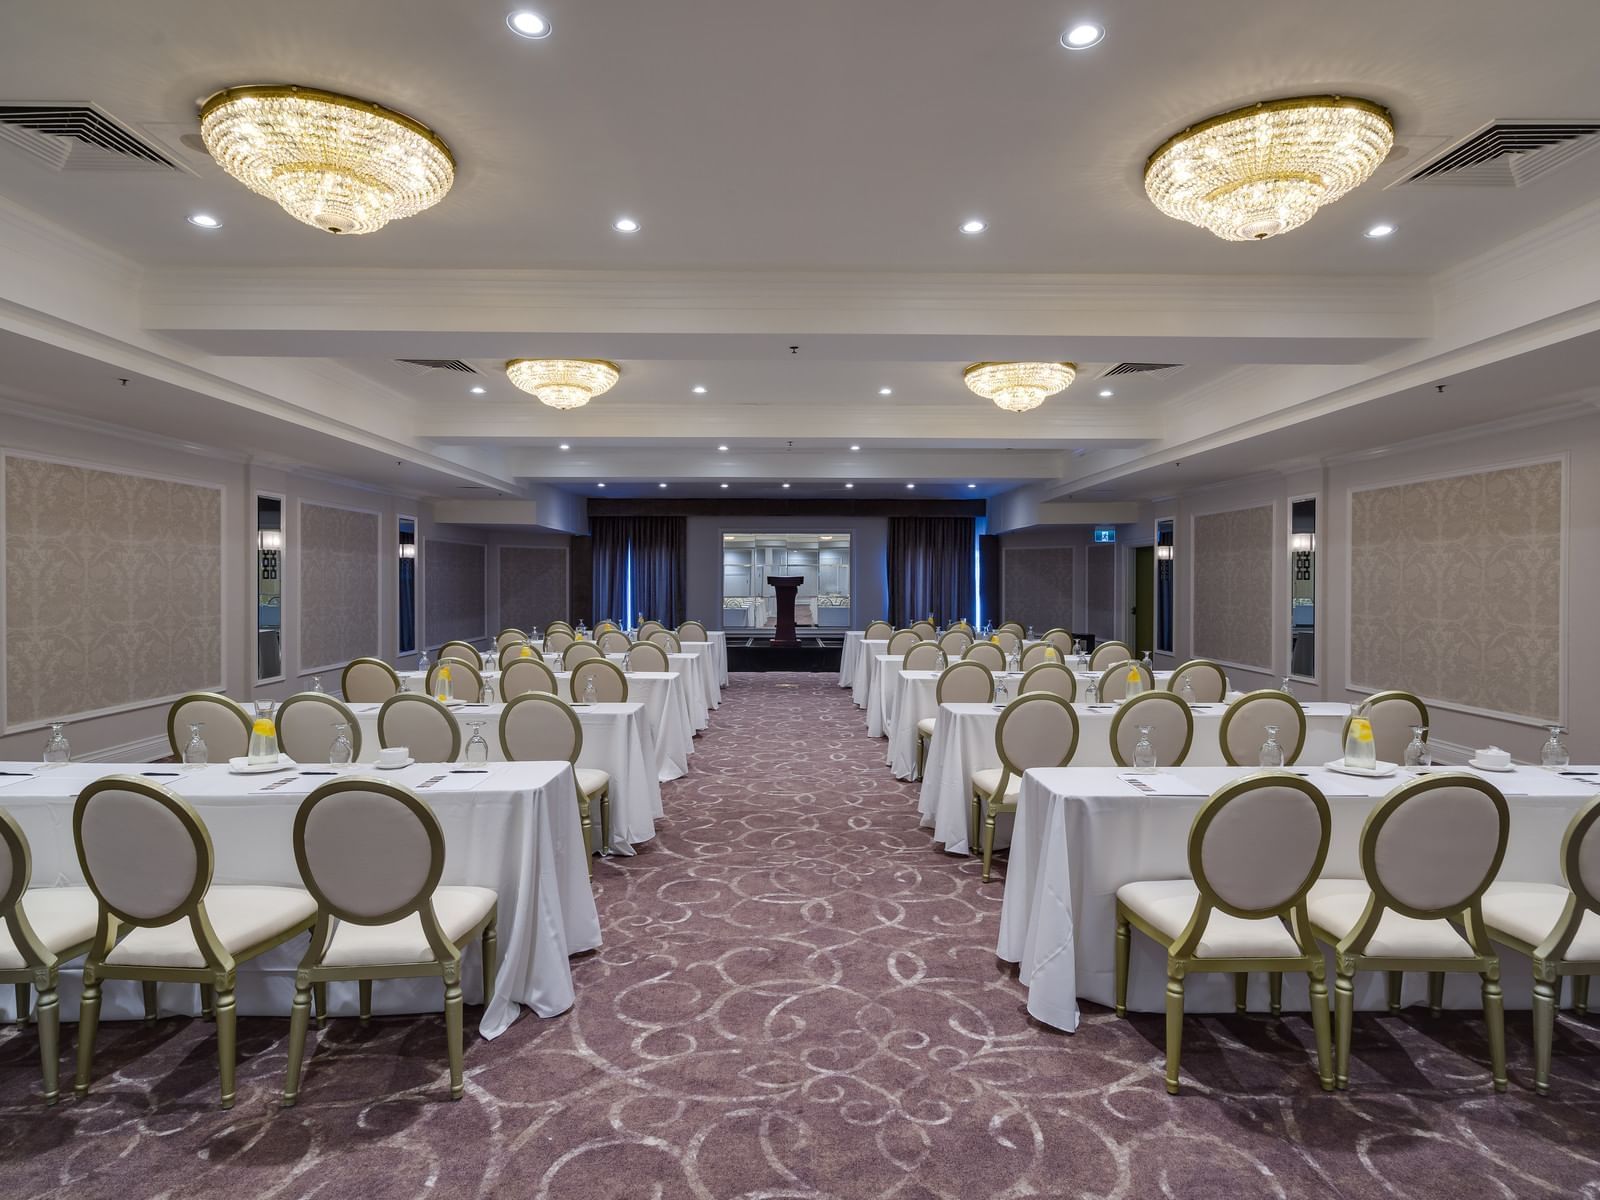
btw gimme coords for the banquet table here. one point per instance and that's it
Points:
(719, 654)
(1081, 833)
(881, 671)
(870, 649)
(616, 740)
(963, 742)
(666, 708)
(707, 673)
(849, 655)
(514, 828)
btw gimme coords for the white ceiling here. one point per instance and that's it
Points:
(800, 171)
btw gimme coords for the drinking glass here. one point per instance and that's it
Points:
(1091, 690)
(316, 683)
(1271, 752)
(1144, 751)
(1285, 688)
(486, 695)
(588, 690)
(1030, 633)
(1000, 693)
(56, 751)
(263, 735)
(341, 753)
(195, 754)
(422, 665)
(477, 749)
(1554, 753)
(1417, 752)
(1149, 663)
(1187, 690)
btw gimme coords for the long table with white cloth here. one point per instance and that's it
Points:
(1083, 832)
(849, 655)
(513, 828)
(963, 742)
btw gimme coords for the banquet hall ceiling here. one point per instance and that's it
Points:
(800, 173)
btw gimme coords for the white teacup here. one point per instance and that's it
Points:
(1494, 757)
(393, 756)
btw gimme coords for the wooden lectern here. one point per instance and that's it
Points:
(786, 586)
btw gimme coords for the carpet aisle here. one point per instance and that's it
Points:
(798, 996)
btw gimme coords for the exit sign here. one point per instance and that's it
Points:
(1105, 535)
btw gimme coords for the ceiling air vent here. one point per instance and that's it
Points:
(439, 364)
(1507, 154)
(1142, 369)
(79, 137)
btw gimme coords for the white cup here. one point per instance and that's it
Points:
(1495, 757)
(393, 756)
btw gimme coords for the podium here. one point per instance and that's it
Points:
(786, 586)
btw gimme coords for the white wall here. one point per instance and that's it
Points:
(869, 557)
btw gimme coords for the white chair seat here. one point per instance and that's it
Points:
(60, 917)
(459, 910)
(988, 779)
(926, 726)
(1529, 911)
(240, 916)
(1167, 905)
(1336, 906)
(591, 781)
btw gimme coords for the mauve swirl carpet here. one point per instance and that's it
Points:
(798, 997)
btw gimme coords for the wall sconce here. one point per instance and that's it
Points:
(1302, 544)
(1164, 553)
(271, 540)
(408, 549)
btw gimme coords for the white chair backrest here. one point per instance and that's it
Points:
(924, 630)
(1039, 652)
(647, 656)
(1036, 730)
(1207, 680)
(649, 628)
(902, 640)
(370, 852)
(1015, 627)
(692, 631)
(1244, 727)
(465, 651)
(1010, 640)
(667, 640)
(16, 863)
(986, 653)
(510, 637)
(421, 724)
(1435, 844)
(1052, 677)
(965, 682)
(306, 723)
(537, 727)
(1580, 855)
(578, 652)
(922, 656)
(227, 725)
(610, 684)
(1108, 653)
(526, 675)
(1061, 639)
(612, 641)
(143, 850)
(1114, 679)
(516, 651)
(1259, 844)
(557, 640)
(1171, 728)
(1392, 715)
(877, 631)
(955, 642)
(562, 626)
(368, 681)
(466, 681)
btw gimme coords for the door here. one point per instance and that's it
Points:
(1144, 598)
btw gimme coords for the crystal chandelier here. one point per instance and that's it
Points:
(1019, 386)
(1263, 170)
(563, 382)
(343, 165)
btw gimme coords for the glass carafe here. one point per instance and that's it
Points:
(263, 736)
(477, 749)
(442, 691)
(1360, 751)
(341, 753)
(1417, 752)
(196, 753)
(56, 750)
(1135, 683)
(1554, 754)
(1271, 751)
(1144, 751)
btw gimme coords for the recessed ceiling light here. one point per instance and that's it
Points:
(885, 391)
(699, 389)
(724, 449)
(564, 446)
(786, 485)
(724, 485)
(1381, 230)
(661, 485)
(204, 221)
(529, 25)
(910, 486)
(599, 485)
(849, 485)
(1106, 392)
(477, 391)
(974, 225)
(855, 447)
(970, 486)
(625, 225)
(1081, 37)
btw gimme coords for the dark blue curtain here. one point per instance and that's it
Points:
(648, 552)
(408, 605)
(931, 568)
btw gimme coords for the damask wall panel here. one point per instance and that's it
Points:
(339, 569)
(1455, 589)
(1100, 588)
(533, 585)
(1233, 596)
(454, 581)
(113, 589)
(1036, 586)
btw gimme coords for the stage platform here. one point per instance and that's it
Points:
(818, 651)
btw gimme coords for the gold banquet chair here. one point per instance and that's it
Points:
(964, 682)
(901, 640)
(610, 683)
(1207, 680)
(1244, 727)
(1556, 926)
(422, 725)
(371, 855)
(649, 629)
(227, 725)
(1036, 730)
(464, 650)
(580, 652)
(1039, 652)
(509, 636)
(306, 727)
(1392, 714)
(1428, 852)
(466, 680)
(647, 656)
(923, 656)
(1113, 684)
(368, 681)
(987, 653)
(693, 631)
(1255, 849)
(1053, 677)
(612, 641)
(181, 928)
(40, 928)
(925, 630)
(537, 727)
(526, 675)
(1171, 727)
(517, 651)
(877, 631)
(1108, 654)
(667, 640)
(955, 642)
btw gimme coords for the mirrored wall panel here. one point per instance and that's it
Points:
(269, 587)
(407, 628)
(1165, 553)
(1303, 588)
(822, 560)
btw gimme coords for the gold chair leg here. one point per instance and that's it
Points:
(588, 830)
(49, 1018)
(1494, 1016)
(452, 1033)
(1580, 995)
(227, 1041)
(974, 826)
(1275, 992)
(1344, 1002)
(1545, 995)
(1241, 991)
(319, 991)
(605, 820)
(208, 1001)
(364, 987)
(1124, 938)
(22, 1003)
(88, 1025)
(1174, 1024)
(148, 987)
(922, 755)
(491, 968)
(1319, 1024)
(1395, 979)
(1436, 992)
(299, 1022)
(988, 842)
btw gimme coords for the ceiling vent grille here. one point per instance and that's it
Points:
(79, 137)
(1507, 154)
(439, 364)
(1143, 369)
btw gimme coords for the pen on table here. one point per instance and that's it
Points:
(319, 772)
(20, 774)
(471, 771)
(159, 774)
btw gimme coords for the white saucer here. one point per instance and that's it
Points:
(394, 766)
(1506, 770)
(1382, 771)
(243, 766)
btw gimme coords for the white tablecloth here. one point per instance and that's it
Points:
(1083, 833)
(514, 829)
(707, 671)
(963, 742)
(881, 669)
(616, 740)
(719, 651)
(870, 649)
(848, 657)
(666, 708)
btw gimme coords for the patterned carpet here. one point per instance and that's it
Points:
(798, 997)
